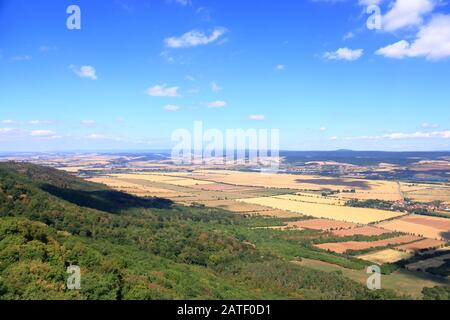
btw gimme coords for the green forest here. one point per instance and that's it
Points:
(149, 248)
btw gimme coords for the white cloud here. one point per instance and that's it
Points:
(166, 55)
(427, 125)
(87, 72)
(194, 38)
(8, 121)
(190, 78)
(406, 135)
(171, 107)
(397, 50)
(215, 87)
(407, 13)
(370, 2)
(22, 58)
(163, 91)
(280, 67)
(323, 129)
(40, 122)
(7, 130)
(432, 42)
(217, 104)
(348, 35)
(256, 117)
(183, 2)
(96, 136)
(42, 133)
(89, 123)
(344, 54)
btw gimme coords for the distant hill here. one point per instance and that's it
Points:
(363, 158)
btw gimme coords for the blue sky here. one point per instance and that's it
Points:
(137, 70)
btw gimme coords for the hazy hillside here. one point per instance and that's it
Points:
(135, 248)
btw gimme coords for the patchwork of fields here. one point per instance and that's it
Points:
(370, 235)
(320, 210)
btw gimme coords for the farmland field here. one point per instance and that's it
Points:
(348, 214)
(401, 280)
(342, 247)
(421, 245)
(385, 256)
(321, 224)
(364, 189)
(363, 231)
(426, 192)
(430, 227)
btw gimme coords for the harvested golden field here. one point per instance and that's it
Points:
(305, 197)
(321, 224)
(342, 247)
(365, 189)
(340, 213)
(424, 244)
(426, 192)
(361, 231)
(220, 187)
(280, 214)
(385, 256)
(428, 227)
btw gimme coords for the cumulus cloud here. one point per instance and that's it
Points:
(87, 72)
(432, 42)
(171, 107)
(344, 54)
(40, 122)
(369, 2)
(215, 87)
(256, 117)
(22, 58)
(8, 121)
(182, 2)
(89, 123)
(427, 125)
(348, 35)
(163, 91)
(96, 136)
(217, 104)
(407, 13)
(194, 38)
(7, 130)
(42, 133)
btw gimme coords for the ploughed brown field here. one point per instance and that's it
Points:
(343, 247)
(424, 244)
(361, 231)
(429, 227)
(321, 224)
